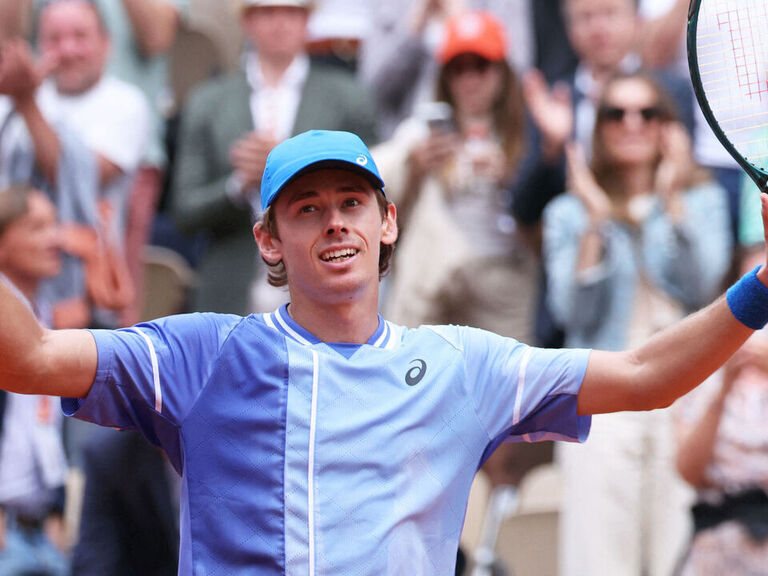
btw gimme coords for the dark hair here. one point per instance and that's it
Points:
(508, 110)
(14, 203)
(276, 272)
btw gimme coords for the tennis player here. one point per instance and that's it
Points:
(320, 438)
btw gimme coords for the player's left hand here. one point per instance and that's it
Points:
(762, 274)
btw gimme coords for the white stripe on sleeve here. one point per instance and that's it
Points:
(155, 371)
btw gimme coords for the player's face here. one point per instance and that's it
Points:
(30, 246)
(71, 36)
(630, 123)
(330, 227)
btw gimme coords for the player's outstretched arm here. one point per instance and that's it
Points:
(671, 363)
(38, 361)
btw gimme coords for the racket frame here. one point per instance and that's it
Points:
(758, 176)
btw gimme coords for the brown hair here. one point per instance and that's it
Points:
(602, 165)
(508, 110)
(14, 203)
(276, 272)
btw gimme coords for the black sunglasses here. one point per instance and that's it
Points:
(468, 63)
(617, 114)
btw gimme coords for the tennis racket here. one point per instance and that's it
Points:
(728, 60)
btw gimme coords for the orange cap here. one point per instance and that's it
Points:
(476, 32)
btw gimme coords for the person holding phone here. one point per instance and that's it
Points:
(447, 167)
(461, 258)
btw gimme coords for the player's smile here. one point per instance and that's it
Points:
(338, 255)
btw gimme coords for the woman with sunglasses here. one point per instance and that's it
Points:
(641, 237)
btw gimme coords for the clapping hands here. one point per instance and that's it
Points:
(20, 73)
(552, 112)
(675, 167)
(582, 184)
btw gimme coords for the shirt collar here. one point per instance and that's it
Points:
(293, 77)
(282, 321)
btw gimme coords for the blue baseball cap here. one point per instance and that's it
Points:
(315, 150)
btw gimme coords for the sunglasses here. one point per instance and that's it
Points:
(468, 63)
(617, 114)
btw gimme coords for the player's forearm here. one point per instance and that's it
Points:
(670, 364)
(44, 138)
(34, 360)
(21, 338)
(154, 22)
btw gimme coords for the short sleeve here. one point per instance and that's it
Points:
(524, 393)
(149, 376)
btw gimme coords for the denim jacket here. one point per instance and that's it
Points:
(688, 261)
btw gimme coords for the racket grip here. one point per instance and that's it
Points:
(748, 300)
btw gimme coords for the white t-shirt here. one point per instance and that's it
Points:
(112, 118)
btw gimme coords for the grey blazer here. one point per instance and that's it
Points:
(216, 115)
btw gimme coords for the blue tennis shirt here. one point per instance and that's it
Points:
(304, 457)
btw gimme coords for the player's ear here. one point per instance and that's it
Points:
(269, 245)
(389, 225)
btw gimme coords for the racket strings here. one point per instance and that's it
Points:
(732, 54)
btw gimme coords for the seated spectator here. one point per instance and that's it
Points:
(33, 467)
(222, 148)
(626, 255)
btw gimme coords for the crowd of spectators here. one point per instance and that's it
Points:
(555, 183)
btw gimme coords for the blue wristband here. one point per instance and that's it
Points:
(748, 301)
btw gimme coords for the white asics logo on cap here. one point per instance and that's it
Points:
(362, 160)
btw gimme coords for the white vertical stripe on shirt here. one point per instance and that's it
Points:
(520, 386)
(311, 463)
(155, 371)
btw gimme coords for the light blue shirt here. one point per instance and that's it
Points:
(304, 457)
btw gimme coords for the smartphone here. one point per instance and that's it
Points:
(437, 115)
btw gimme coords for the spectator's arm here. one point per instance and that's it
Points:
(696, 443)
(661, 36)
(13, 18)
(44, 139)
(48, 148)
(396, 74)
(155, 24)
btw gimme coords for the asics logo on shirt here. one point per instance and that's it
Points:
(415, 374)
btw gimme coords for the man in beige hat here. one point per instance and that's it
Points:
(230, 124)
